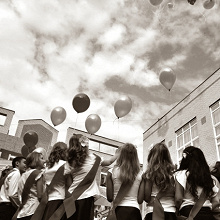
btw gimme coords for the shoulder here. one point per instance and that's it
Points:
(181, 177)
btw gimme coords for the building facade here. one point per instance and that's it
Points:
(193, 121)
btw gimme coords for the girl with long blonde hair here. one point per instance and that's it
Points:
(126, 171)
(159, 178)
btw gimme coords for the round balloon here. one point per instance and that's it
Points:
(209, 4)
(170, 5)
(42, 151)
(167, 78)
(93, 123)
(122, 106)
(24, 151)
(81, 102)
(58, 115)
(155, 2)
(30, 138)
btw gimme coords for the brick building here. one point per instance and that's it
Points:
(193, 121)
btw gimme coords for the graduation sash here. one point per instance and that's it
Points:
(158, 211)
(27, 186)
(124, 189)
(68, 205)
(38, 214)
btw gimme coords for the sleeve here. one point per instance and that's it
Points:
(12, 183)
(67, 169)
(181, 177)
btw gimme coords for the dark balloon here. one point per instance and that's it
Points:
(24, 151)
(81, 102)
(30, 139)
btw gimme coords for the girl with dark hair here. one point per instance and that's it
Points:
(159, 180)
(81, 183)
(193, 177)
(56, 194)
(127, 172)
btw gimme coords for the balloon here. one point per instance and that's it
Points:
(58, 115)
(123, 106)
(167, 78)
(81, 102)
(93, 123)
(30, 139)
(155, 2)
(42, 151)
(170, 5)
(209, 4)
(26, 150)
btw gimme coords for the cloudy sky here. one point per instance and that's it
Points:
(52, 50)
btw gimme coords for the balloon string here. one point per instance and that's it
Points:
(76, 120)
(116, 130)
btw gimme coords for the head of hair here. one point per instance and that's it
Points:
(6, 170)
(160, 166)
(216, 170)
(59, 152)
(17, 159)
(33, 160)
(76, 152)
(128, 163)
(199, 175)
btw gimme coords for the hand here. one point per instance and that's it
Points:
(189, 218)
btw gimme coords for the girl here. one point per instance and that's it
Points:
(159, 181)
(193, 177)
(127, 172)
(34, 162)
(56, 193)
(81, 184)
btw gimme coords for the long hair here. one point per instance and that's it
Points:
(198, 171)
(128, 163)
(216, 170)
(59, 152)
(160, 166)
(77, 151)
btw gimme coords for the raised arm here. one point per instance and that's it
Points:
(111, 160)
(109, 187)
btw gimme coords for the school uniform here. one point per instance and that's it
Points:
(57, 194)
(189, 201)
(9, 189)
(85, 202)
(167, 203)
(128, 208)
(32, 203)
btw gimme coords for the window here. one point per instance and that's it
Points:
(2, 119)
(187, 136)
(11, 157)
(103, 179)
(215, 112)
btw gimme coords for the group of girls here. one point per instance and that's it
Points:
(190, 192)
(66, 188)
(63, 189)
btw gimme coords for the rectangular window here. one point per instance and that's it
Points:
(186, 136)
(215, 113)
(2, 119)
(103, 179)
